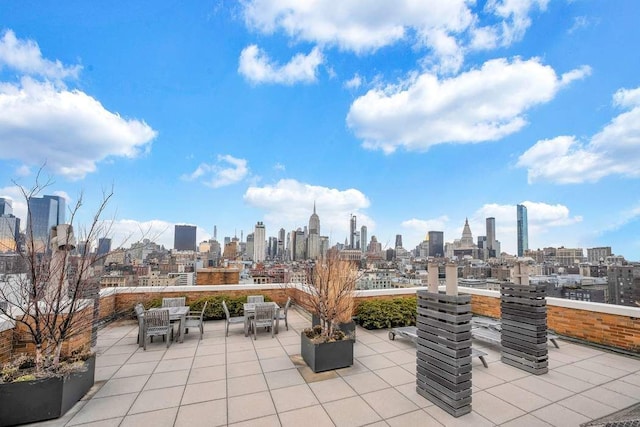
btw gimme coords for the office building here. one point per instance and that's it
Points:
(491, 236)
(598, 255)
(352, 232)
(249, 247)
(436, 244)
(398, 240)
(6, 206)
(9, 233)
(42, 214)
(104, 246)
(313, 236)
(522, 229)
(624, 285)
(363, 238)
(184, 238)
(259, 242)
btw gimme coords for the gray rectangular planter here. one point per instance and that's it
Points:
(328, 355)
(44, 399)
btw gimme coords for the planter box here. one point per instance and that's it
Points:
(326, 356)
(44, 399)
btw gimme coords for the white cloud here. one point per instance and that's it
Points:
(353, 83)
(479, 105)
(25, 57)
(515, 17)
(446, 28)
(615, 150)
(18, 202)
(279, 167)
(579, 22)
(256, 66)
(289, 203)
(67, 129)
(417, 229)
(228, 170)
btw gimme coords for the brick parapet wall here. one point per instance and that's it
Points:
(6, 345)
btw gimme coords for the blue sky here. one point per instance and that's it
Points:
(410, 115)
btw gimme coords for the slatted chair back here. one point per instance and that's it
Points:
(255, 298)
(226, 310)
(174, 302)
(264, 315)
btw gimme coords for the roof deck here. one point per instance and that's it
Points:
(238, 381)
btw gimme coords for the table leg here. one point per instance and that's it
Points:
(183, 320)
(277, 320)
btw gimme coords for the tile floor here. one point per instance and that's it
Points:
(237, 381)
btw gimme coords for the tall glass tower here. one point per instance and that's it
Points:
(523, 229)
(43, 213)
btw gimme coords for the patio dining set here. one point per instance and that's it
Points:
(160, 321)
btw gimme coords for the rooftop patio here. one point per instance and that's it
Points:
(238, 381)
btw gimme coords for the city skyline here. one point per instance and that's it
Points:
(410, 117)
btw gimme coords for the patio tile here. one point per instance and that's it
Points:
(268, 353)
(294, 397)
(484, 380)
(351, 412)
(145, 356)
(244, 368)
(276, 364)
(202, 392)
(517, 397)
(269, 421)
(315, 415)
(103, 374)
(617, 361)
(356, 368)
(178, 351)
(122, 386)
(203, 375)
(382, 347)
(161, 418)
(500, 370)
(332, 389)
(286, 378)
(409, 390)
(493, 409)
(632, 379)
(241, 344)
(211, 360)
(265, 341)
(207, 414)
(250, 406)
(560, 416)
(376, 361)
(366, 382)
(135, 369)
(389, 402)
(153, 400)
(242, 356)
(395, 375)
(400, 357)
(565, 381)
(111, 422)
(542, 388)
(471, 419)
(206, 349)
(415, 418)
(104, 408)
(362, 350)
(246, 385)
(623, 387)
(610, 397)
(119, 349)
(174, 364)
(526, 420)
(594, 366)
(586, 406)
(112, 360)
(167, 379)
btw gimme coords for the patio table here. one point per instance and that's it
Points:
(250, 309)
(177, 313)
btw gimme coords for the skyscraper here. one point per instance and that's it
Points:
(363, 238)
(491, 235)
(104, 246)
(436, 244)
(9, 233)
(523, 229)
(313, 237)
(6, 206)
(184, 238)
(42, 214)
(352, 233)
(398, 240)
(259, 239)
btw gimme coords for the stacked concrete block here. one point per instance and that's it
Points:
(444, 350)
(524, 327)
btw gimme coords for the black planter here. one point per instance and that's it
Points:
(328, 355)
(44, 399)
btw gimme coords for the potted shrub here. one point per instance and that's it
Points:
(330, 297)
(52, 366)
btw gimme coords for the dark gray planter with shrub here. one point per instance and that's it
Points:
(349, 328)
(44, 399)
(327, 355)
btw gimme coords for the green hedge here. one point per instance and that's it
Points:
(387, 313)
(214, 309)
